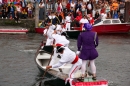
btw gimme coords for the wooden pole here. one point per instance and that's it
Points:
(127, 11)
(36, 14)
(45, 10)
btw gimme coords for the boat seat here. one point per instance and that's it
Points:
(44, 56)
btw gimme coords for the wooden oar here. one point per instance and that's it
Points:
(48, 64)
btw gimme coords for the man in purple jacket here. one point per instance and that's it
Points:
(86, 43)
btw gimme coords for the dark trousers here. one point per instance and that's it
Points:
(16, 18)
(4, 14)
(11, 14)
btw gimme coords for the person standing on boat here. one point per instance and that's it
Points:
(68, 21)
(83, 21)
(88, 40)
(59, 39)
(49, 30)
(67, 56)
(60, 28)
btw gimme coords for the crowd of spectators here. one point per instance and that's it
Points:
(92, 9)
(89, 9)
(16, 10)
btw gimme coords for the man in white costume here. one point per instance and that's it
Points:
(67, 56)
(60, 28)
(68, 21)
(59, 39)
(83, 21)
(48, 31)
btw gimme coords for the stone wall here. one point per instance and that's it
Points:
(25, 23)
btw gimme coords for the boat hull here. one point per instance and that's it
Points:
(14, 31)
(39, 30)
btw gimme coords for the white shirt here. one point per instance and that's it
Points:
(89, 6)
(58, 29)
(67, 19)
(103, 16)
(50, 31)
(42, 5)
(85, 1)
(18, 9)
(60, 40)
(72, 5)
(84, 20)
(45, 31)
(68, 56)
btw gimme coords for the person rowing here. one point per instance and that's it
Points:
(58, 39)
(67, 56)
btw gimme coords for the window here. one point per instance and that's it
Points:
(106, 22)
(115, 21)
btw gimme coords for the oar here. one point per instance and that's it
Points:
(48, 64)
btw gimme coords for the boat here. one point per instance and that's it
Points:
(13, 30)
(111, 26)
(57, 76)
(39, 30)
(100, 26)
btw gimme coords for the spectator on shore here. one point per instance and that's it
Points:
(89, 7)
(4, 11)
(23, 4)
(16, 16)
(83, 9)
(77, 7)
(109, 15)
(122, 7)
(11, 10)
(24, 14)
(18, 11)
(96, 15)
(30, 9)
(107, 6)
(59, 17)
(115, 6)
(64, 3)
(41, 10)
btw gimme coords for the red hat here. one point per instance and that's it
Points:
(59, 45)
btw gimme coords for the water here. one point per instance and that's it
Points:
(18, 68)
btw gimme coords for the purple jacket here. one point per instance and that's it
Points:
(86, 45)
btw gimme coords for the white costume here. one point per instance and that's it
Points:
(49, 37)
(103, 16)
(68, 21)
(83, 21)
(58, 40)
(60, 29)
(69, 56)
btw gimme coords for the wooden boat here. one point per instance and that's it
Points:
(57, 76)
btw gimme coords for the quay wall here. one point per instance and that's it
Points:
(25, 23)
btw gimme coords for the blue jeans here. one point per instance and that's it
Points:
(12, 14)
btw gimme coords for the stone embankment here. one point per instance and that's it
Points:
(25, 23)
